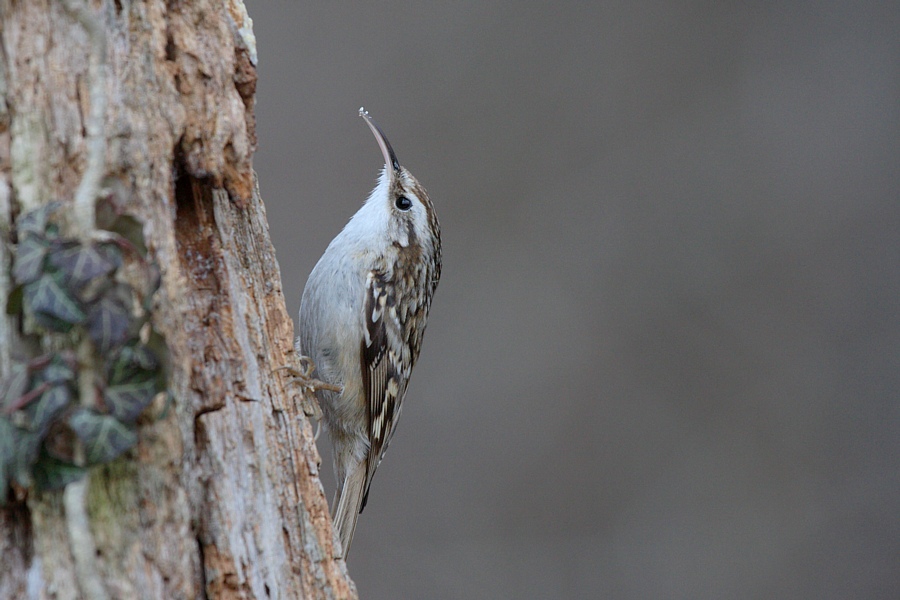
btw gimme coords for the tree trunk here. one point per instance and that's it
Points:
(220, 497)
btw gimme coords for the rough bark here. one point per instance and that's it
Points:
(221, 496)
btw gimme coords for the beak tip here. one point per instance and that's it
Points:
(390, 159)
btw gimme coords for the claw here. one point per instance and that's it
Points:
(309, 385)
(303, 378)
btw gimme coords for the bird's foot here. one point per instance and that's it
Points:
(302, 377)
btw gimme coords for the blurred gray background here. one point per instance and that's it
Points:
(664, 357)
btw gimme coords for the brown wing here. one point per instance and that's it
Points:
(384, 373)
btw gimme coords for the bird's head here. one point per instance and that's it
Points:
(401, 200)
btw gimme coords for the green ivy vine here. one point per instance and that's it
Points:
(64, 290)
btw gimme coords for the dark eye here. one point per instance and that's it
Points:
(403, 203)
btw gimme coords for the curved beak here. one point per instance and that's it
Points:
(389, 157)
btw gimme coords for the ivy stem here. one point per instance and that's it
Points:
(81, 542)
(89, 188)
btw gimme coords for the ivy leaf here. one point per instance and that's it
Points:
(51, 304)
(8, 437)
(80, 264)
(35, 221)
(128, 400)
(29, 261)
(14, 385)
(57, 372)
(132, 363)
(53, 474)
(111, 253)
(108, 323)
(153, 282)
(51, 404)
(27, 445)
(131, 230)
(14, 302)
(103, 436)
(60, 368)
(144, 358)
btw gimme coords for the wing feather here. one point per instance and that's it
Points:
(384, 373)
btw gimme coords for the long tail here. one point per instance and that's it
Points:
(347, 505)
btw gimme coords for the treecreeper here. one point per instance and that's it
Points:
(362, 319)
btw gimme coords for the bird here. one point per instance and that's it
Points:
(362, 320)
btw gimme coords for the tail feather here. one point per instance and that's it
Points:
(348, 503)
